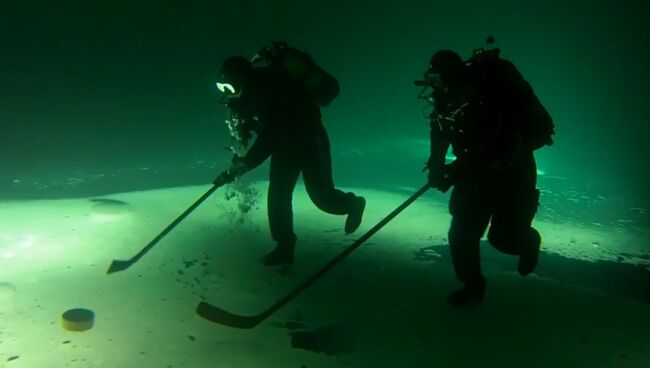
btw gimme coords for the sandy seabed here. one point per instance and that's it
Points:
(384, 306)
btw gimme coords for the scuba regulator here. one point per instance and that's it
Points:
(240, 130)
(235, 73)
(432, 84)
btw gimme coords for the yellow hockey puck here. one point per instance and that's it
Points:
(78, 319)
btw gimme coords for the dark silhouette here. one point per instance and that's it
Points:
(285, 116)
(493, 121)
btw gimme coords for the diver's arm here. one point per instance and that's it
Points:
(439, 146)
(260, 150)
(436, 163)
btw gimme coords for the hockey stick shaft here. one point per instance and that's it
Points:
(221, 316)
(121, 265)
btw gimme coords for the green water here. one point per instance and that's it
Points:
(116, 97)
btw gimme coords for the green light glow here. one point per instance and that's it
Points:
(226, 86)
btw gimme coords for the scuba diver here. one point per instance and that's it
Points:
(280, 104)
(493, 121)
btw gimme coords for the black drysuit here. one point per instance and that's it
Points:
(489, 128)
(291, 133)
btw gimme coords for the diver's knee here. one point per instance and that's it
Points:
(496, 237)
(534, 237)
(318, 198)
(505, 241)
(511, 241)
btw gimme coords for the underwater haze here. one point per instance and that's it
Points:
(108, 87)
(112, 126)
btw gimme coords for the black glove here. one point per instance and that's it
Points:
(441, 178)
(237, 169)
(224, 177)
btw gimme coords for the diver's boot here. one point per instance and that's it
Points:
(529, 254)
(281, 255)
(470, 293)
(353, 221)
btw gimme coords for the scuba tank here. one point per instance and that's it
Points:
(299, 66)
(534, 121)
(480, 54)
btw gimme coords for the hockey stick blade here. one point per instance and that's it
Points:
(118, 265)
(223, 317)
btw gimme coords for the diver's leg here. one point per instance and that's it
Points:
(470, 216)
(283, 177)
(511, 231)
(317, 174)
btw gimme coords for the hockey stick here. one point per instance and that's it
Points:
(218, 315)
(121, 265)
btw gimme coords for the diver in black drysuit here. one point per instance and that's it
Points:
(290, 132)
(479, 111)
